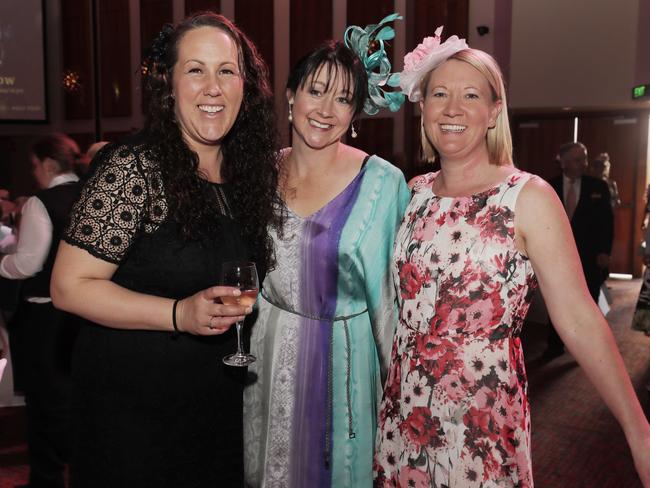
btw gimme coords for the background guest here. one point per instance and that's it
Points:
(641, 319)
(600, 168)
(587, 202)
(8, 231)
(156, 220)
(10, 294)
(84, 169)
(94, 148)
(42, 336)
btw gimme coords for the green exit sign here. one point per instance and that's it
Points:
(641, 91)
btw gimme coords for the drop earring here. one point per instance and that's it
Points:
(291, 113)
(353, 132)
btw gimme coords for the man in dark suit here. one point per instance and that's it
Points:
(587, 202)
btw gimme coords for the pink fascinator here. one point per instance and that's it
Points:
(429, 54)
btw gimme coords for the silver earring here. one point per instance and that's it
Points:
(290, 113)
(353, 132)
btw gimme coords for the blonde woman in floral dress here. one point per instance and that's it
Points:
(476, 239)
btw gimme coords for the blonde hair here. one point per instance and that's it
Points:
(499, 140)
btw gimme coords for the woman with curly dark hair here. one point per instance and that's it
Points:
(142, 255)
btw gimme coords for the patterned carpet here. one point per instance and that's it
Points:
(13, 450)
(576, 441)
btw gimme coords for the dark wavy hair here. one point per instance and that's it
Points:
(59, 148)
(250, 148)
(336, 59)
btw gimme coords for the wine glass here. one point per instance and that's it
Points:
(242, 275)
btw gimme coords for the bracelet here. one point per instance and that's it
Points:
(176, 332)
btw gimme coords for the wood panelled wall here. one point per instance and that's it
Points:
(536, 141)
(192, 6)
(284, 30)
(624, 136)
(307, 22)
(310, 23)
(77, 58)
(153, 15)
(115, 58)
(255, 17)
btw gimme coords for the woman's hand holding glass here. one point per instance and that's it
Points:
(204, 313)
(243, 275)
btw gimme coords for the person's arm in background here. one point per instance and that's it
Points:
(34, 241)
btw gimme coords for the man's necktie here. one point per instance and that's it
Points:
(571, 199)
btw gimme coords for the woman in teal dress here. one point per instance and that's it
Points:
(326, 312)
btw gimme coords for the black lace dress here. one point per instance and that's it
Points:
(153, 410)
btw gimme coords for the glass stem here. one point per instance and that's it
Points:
(240, 345)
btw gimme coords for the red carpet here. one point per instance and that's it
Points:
(576, 441)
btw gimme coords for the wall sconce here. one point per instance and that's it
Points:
(71, 81)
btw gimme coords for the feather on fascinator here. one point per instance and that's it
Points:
(368, 44)
(429, 54)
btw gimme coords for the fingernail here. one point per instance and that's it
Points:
(236, 292)
(249, 309)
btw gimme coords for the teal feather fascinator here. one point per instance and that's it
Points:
(369, 45)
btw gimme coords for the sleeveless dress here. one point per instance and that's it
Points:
(327, 315)
(153, 409)
(455, 411)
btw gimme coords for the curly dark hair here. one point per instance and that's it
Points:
(250, 148)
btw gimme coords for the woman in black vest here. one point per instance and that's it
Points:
(46, 334)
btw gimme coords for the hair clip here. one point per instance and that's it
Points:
(155, 54)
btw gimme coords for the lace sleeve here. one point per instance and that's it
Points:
(114, 206)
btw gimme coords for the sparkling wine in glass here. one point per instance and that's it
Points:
(242, 275)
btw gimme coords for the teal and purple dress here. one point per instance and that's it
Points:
(323, 337)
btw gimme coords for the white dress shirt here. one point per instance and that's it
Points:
(566, 183)
(8, 239)
(34, 237)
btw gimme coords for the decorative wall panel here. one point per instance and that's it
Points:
(255, 18)
(311, 24)
(115, 58)
(192, 6)
(153, 15)
(77, 83)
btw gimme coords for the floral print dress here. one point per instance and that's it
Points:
(455, 411)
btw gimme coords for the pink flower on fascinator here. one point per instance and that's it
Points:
(428, 55)
(420, 52)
